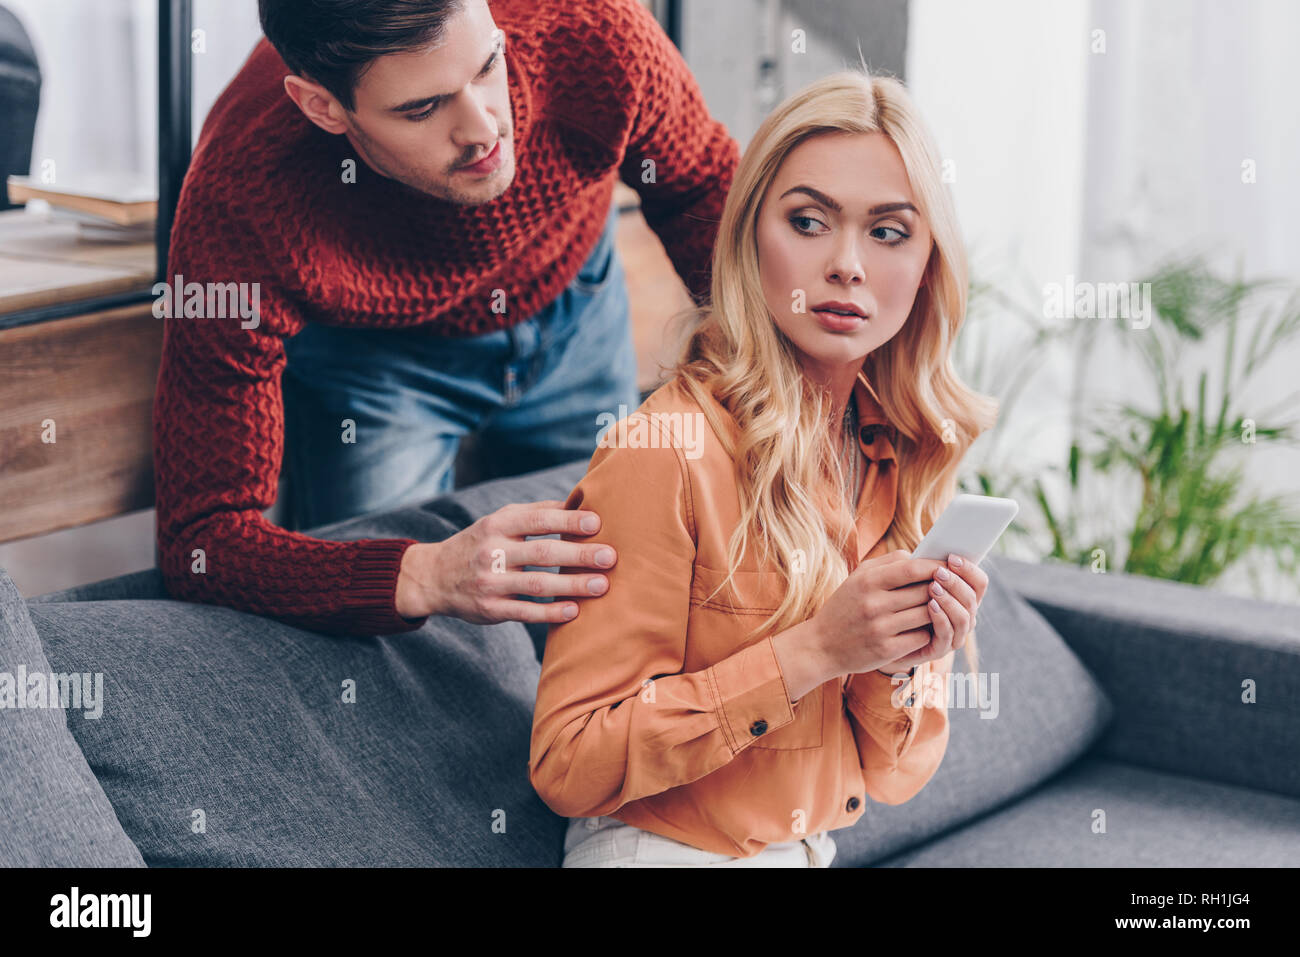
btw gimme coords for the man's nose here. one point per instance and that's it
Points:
(476, 126)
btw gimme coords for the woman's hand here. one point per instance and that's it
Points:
(879, 613)
(956, 590)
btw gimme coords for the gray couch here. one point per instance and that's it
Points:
(1116, 734)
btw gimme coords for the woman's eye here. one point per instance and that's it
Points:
(795, 220)
(892, 242)
(416, 117)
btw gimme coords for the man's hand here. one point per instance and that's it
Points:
(475, 574)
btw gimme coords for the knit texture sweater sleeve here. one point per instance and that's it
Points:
(218, 444)
(677, 154)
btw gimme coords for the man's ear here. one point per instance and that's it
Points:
(316, 103)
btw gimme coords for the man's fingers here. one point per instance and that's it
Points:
(553, 553)
(539, 584)
(544, 503)
(544, 518)
(532, 611)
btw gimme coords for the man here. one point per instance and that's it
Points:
(414, 203)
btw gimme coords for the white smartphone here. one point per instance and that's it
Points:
(968, 527)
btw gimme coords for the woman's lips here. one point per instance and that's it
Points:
(836, 322)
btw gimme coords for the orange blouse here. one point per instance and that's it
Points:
(654, 708)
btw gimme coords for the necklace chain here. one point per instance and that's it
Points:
(852, 452)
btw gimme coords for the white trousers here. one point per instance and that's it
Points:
(609, 842)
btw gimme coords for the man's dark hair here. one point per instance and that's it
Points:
(333, 42)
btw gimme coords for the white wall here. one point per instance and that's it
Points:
(99, 70)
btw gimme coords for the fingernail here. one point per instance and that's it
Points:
(934, 605)
(942, 574)
(590, 523)
(597, 586)
(604, 556)
(956, 561)
(936, 588)
(570, 611)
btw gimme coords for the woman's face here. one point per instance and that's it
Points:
(839, 224)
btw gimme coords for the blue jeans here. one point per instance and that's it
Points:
(531, 393)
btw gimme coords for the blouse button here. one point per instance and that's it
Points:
(758, 727)
(853, 803)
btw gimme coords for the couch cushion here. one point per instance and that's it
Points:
(243, 719)
(1152, 819)
(142, 584)
(1044, 710)
(54, 812)
(1205, 646)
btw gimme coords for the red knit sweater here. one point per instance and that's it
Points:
(596, 88)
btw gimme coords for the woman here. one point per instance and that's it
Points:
(767, 656)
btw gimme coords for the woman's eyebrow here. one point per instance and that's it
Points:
(828, 202)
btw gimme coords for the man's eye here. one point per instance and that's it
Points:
(424, 115)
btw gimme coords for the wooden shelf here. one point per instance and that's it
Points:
(94, 376)
(45, 262)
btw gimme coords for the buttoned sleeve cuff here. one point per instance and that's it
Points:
(877, 701)
(750, 695)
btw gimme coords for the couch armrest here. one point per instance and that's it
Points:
(1175, 660)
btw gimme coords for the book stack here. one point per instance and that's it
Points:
(105, 208)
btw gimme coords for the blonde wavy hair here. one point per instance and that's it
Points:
(737, 354)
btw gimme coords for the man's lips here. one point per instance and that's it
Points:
(487, 159)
